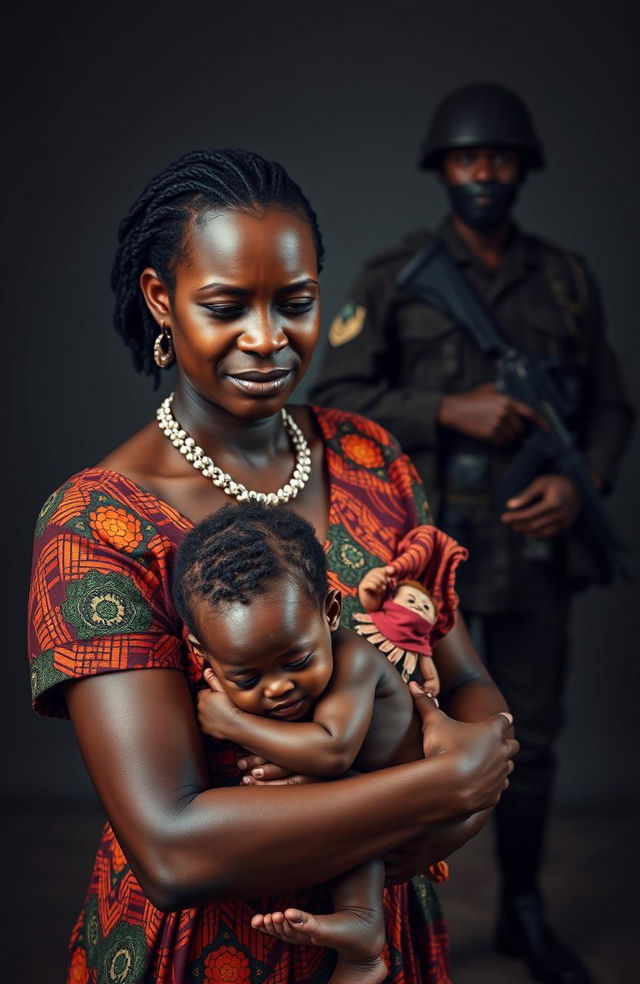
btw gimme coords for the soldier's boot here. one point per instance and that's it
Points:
(522, 930)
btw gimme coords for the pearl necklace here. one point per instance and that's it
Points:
(187, 446)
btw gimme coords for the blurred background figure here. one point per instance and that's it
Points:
(422, 375)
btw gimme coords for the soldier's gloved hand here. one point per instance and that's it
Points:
(548, 506)
(486, 414)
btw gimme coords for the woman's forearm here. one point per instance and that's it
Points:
(246, 842)
(467, 691)
(474, 700)
(189, 844)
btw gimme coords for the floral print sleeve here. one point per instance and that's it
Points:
(98, 600)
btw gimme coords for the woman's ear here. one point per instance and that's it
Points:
(156, 296)
(333, 608)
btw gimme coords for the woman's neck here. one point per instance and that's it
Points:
(219, 432)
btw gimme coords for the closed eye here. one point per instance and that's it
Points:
(299, 306)
(300, 664)
(224, 312)
(247, 683)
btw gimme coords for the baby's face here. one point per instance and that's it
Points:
(273, 657)
(417, 601)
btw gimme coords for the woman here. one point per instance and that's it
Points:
(217, 270)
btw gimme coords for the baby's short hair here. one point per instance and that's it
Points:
(239, 551)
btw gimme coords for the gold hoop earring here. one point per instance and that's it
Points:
(163, 353)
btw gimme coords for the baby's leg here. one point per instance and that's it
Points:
(355, 929)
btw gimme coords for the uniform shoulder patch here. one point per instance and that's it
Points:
(347, 324)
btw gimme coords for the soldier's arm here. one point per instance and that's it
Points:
(357, 372)
(609, 415)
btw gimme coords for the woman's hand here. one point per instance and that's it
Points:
(216, 712)
(430, 678)
(480, 753)
(258, 772)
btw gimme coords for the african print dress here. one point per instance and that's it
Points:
(101, 601)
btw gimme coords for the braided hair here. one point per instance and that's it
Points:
(240, 551)
(153, 231)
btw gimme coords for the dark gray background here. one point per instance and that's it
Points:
(100, 97)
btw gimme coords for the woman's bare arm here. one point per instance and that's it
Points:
(189, 844)
(467, 692)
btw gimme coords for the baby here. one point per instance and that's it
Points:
(404, 619)
(250, 583)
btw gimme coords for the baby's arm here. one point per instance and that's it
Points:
(325, 746)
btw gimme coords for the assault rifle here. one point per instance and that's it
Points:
(433, 277)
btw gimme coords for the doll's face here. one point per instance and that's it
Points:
(416, 601)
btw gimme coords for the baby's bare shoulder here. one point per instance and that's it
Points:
(356, 659)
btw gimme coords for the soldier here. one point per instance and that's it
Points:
(424, 378)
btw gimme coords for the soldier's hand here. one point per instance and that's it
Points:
(486, 414)
(548, 506)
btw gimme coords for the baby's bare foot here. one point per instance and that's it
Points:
(357, 935)
(276, 924)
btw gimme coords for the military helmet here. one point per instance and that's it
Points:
(482, 115)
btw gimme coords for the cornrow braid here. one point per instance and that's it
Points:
(152, 232)
(239, 551)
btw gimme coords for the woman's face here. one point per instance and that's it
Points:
(244, 313)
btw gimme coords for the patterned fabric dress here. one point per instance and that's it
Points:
(101, 601)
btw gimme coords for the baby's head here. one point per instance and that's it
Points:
(412, 595)
(250, 583)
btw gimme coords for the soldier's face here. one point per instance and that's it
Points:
(482, 184)
(481, 164)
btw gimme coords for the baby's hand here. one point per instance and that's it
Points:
(216, 713)
(374, 585)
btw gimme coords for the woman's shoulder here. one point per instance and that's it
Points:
(104, 505)
(333, 421)
(367, 457)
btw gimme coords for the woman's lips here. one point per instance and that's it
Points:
(261, 383)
